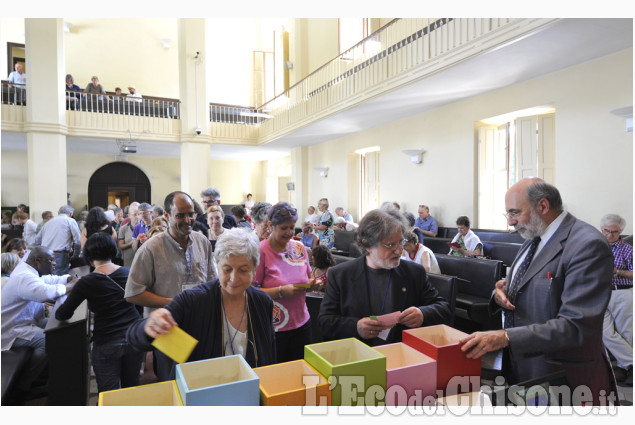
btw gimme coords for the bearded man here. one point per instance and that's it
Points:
(378, 283)
(553, 300)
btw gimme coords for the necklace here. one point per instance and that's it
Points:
(102, 265)
(232, 338)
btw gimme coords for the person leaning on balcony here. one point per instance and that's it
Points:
(133, 96)
(18, 77)
(95, 88)
(72, 99)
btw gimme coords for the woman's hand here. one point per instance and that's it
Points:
(159, 323)
(289, 291)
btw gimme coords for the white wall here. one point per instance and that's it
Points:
(594, 153)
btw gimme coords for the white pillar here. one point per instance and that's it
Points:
(45, 123)
(194, 168)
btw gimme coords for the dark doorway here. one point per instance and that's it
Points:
(118, 183)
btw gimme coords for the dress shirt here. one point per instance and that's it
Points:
(30, 232)
(161, 265)
(22, 301)
(430, 224)
(59, 234)
(17, 78)
(623, 255)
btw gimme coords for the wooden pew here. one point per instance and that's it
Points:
(446, 285)
(13, 361)
(343, 240)
(437, 245)
(475, 283)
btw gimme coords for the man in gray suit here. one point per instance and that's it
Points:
(554, 299)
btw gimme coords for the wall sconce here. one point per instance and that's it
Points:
(288, 65)
(416, 155)
(67, 27)
(324, 171)
(627, 113)
(166, 43)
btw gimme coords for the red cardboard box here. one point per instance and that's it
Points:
(441, 342)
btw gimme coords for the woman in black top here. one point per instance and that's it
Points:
(115, 362)
(97, 222)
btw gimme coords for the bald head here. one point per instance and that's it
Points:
(41, 259)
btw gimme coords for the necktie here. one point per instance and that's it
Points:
(512, 290)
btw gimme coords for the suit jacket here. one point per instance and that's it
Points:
(558, 321)
(347, 299)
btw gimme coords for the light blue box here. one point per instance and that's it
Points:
(223, 381)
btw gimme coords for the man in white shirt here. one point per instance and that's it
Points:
(30, 228)
(29, 286)
(18, 77)
(62, 236)
(133, 96)
(312, 217)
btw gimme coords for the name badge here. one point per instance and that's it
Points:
(183, 286)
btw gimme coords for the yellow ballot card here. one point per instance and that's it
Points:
(302, 285)
(176, 344)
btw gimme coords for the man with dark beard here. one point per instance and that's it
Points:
(554, 299)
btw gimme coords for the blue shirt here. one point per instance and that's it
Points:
(430, 224)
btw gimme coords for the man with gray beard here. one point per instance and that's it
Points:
(553, 300)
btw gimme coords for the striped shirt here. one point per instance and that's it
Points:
(623, 255)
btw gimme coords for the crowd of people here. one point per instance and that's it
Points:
(237, 283)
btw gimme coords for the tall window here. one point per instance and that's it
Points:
(352, 31)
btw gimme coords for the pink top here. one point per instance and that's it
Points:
(284, 268)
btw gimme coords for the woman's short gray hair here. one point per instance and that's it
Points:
(238, 241)
(260, 212)
(9, 261)
(378, 225)
(613, 219)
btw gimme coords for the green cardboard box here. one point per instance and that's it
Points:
(356, 371)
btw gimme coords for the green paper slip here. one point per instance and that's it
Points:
(176, 344)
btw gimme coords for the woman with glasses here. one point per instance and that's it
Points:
(465, 242)
(325, 225)
(260, 217)
(419, 253)
(378, 283)
(284, 264)
(227, 315)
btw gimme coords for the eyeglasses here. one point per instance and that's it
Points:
(284, 211)
(611, 232)
(512, 215)
(212, 201)
(181, 216)
(394, 245)
(48, 260)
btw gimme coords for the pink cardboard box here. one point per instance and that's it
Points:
(441, 342)
(409, 370)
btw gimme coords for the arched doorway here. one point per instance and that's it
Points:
(118, 183)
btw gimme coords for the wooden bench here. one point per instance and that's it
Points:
(446, 286)
(503, 251)
(343, 240)
(475, 283)
(438, 245)
(491, 235)
(13, 361)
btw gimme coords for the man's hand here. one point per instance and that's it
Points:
(479, 343)
(411, 317)
(70, 282)
(159, 323)
(500, 295)
(368, 328)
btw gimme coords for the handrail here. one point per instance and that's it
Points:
(332, 60)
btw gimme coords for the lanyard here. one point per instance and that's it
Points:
(229, 335)
(188, 262)
(383, 302)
